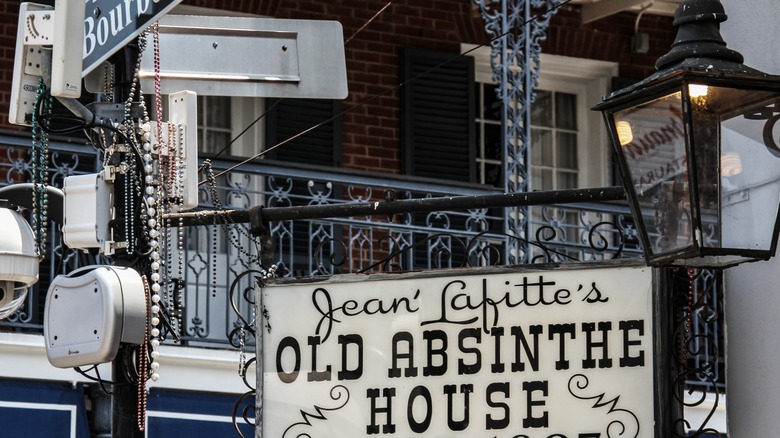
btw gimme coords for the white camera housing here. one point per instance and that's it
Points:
(90, 311)
(18, 261)
(11, 298)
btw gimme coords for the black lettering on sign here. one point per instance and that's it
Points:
(288, 342)
(475, 366)
(533, 357)
(449, 391)
(562, 330)
(323, 303)
(410, 370)
(497, 366)
(314, 375)
(492, 423)
(345, 341)
(419, 426)
(590, 344)
(595, 295)
(432, 336)
(455, 300)
(388, 394)
(530, 421)
(626, 327)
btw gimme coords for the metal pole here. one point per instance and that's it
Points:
(124, 398)
(258, 215)
(125, 405)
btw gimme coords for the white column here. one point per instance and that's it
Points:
(753, 290)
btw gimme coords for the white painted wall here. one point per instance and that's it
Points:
(753, 290)
(23, 356)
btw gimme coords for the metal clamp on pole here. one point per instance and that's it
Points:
(260, 228)
(257, 222)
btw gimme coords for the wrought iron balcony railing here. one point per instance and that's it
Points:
(213, 259)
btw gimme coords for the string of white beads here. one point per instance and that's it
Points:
(153, 232)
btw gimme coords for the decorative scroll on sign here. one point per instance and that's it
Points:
(514, 354)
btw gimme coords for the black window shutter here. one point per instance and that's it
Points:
(438, 135)
(321, 146)
(290, 117)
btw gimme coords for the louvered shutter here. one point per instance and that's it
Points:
(321, 146)
(438, 135)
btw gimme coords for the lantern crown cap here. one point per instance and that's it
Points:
(698, 34)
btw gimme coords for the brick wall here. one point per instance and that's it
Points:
(372, 131)
(609, 39)
(9, 12)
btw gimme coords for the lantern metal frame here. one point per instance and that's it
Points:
(699, 56)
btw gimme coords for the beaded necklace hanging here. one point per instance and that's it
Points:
(40, 167)
(234, 233)
(145, 190)
(149, 214)
(174, 188)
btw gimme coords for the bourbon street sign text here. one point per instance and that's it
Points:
(110, 24)
(532, 354)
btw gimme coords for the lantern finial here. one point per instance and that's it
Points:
(698, 34)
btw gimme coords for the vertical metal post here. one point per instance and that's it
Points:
(124, 393)
(516, 33)
(259, 329)
(669, 410)
(124, 399)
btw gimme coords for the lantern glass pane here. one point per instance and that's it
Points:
(748, 171)
(652, 139)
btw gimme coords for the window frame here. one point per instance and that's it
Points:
(589, 80)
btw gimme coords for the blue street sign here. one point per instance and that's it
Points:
(110, 24)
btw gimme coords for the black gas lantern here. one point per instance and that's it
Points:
(696, 148)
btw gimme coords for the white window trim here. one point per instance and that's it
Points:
(244, 111)
(590, 81)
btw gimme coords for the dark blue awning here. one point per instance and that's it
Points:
(40, 409)
(194, 414)
(35, 409)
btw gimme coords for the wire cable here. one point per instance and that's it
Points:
(384, 93)
(97, 379)
(269, 109)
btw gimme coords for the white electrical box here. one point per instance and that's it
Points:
(183, 107)
(88, 209)
(181, 132)
(90, 311)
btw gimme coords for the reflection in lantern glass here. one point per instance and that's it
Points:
(697, 90)
(730, 164)
(625, 135)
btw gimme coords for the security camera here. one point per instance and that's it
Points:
(90, 311)
(18, 261)
(11, 298)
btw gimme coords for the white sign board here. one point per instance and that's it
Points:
(534, 354)
(249, 56)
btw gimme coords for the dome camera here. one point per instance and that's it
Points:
(18, 261)
(11, 298)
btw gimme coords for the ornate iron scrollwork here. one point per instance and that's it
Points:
(698, 335)
(238, 339)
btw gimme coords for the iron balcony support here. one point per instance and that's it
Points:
(257, 216)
